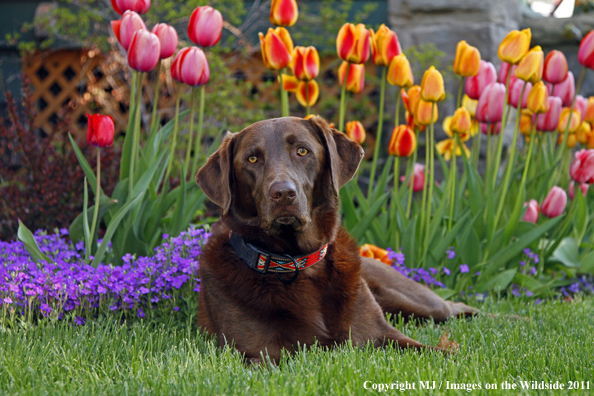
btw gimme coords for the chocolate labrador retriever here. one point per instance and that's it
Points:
(279, 270)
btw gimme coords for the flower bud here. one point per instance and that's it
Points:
(125, 28)
(403, 141)
(583, 133)
(514, 92)
(100, 130)
(144, 50)
(352, 43)
(400, 73)
(514, 46)
(419, 175)
(564, 90)
(555, 67)
(168, 39)
(490, 105)
(432, 87)
(139, 6)
(574, 123)
(538, 98)
(586, 51)
(467, 60)
(356, 79)
(384, 45)
(283, 12)
(582, 168)
(206, 26)
(475, 85)
(531, 66)
(312, 93)
(355, 131)
(423, 115)
(555, 202)
(532, 211)
(277, 48)
(589, 115)
(306, 63)
(461, 121)
(470, 105)
(581, 105)
(549, 121)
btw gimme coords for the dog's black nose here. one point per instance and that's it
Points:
(283, 192)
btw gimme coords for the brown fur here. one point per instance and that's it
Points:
(342, 296)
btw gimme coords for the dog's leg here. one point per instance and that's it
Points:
(396, 294)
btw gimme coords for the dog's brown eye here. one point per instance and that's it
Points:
(302, 151)
(252, 159)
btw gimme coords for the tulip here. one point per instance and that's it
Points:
(139, 6)
(168, 39)
(549, 121)
(193, 66)
(526, 118)
(583, 133)
(277, 48)
(531, 66)
(312, 93)
(306, 63)
(584, 187)
(144, 50)
(589, 114)
(554, 203)
(538, 98)
(470, 105)
(384, 46)
(475, 85)
(571, 140)
(372, 251)
(400, 73)
(352, 43)
(514, 46)
(467, 60)
(175, 66)
(491, 129)
(581, 105)
(504, 72)
(564, 90)
(283, 12)
(432, 88)
(206, 26)
(290, 83)
(490, 105)
(446, 149)
(100, 130)
(414, 94)
(422, 114)
(463, 135)
(582, 168)
(574, 123)
(532, 211)
(555, 67)
(419, 175)
(356, 79)
(514, 92)
(461, 121)
(125, 28)
(403, 141)
(355, 131)
(365, 251)
(586, 51)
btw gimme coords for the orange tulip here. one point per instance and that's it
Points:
(571, 140)
(514, 46)
(432, 89)
(400, 73)
(531, 66)
(355, 131)
(467, 61)
(292, 84)
(352, 43)
(306, 63)
(461, 121)
(372, 251)
(356, 79)
(277, 48)
(590, 142)
(446, 148)
(583, 133)
(447, 128)
(574, 123)
(403, 141)
(538, 98)
(470, 105)
(589, 116)
(283, 12)
(414, 94)
(422, 113)
(384, 46)
(526, 122)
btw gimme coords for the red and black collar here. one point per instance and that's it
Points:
(263, 261)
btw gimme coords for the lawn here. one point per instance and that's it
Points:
(555, 342)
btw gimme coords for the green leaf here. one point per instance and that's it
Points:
(26, 236)
(385, 177)
(408, 241)
(84, 165)
(75, 231)
(567, 253)
(527, 281)
(366, 220)
(515, 217)
(498, 282)
(587, 265)
(445, 293)
(86, 231)
(438, 251)
(582, 215)
(180, 205)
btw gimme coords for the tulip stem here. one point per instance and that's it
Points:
(378, 137)
(489, 154)
(198, 143)
(174, 138)
(284, 97)
(412, 179)
(156, 99)
(397, 118)
(458, 101)
(135, 136)
(97, 198)
(190, 131)
(453, 182)
(504, 115)
(393, 217)
(476, 149)
(431, 177)
(343, 99)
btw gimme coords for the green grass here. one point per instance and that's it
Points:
(555, 342)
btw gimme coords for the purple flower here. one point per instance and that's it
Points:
(140, 313)
(176, 309)
(538, 301)
(7, 300)
(450, 252)
(464, 268)
(477, 273)
(533, 271)
(80, 321)
(446, 271)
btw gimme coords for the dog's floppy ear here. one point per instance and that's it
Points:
(214, 178)
(344, 154)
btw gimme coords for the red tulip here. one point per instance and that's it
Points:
(555, 202)
(277, 48)
(356, 79)
(403, 141)
(532, 212)
(586, 51)
(490, 129)
(206, 26)
(283, 12)
(191, 67)
(419, 173)
(584, 187)
(490, 105)
(168, 39)
(175, 65)
(115, 7)
(555, 67)
(139, 6)
(582, 168)
(125, 28)
(475, 85)
(352, 43)
(100, 130)
(384, 46)
(144, 50)
(549, 121)
(514, 92)
(581, 105)
(306, 63)
(564, 90)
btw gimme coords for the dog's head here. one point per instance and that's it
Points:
(277, 173)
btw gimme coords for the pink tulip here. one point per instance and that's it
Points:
(475, 85)
(490, 129)
(564, 90)
(586, 51)
(504, 71)
(419, 172)
(191, 67)
(116, 8)
(581, 105)
(206, 26)
(139, 6)
(144, 50)
(548, 122)
(555, 67)
(532, 212)
(582, 168)
(490, 104)
(514, 92)
(168, 39)
(584, 187)
(555, 202)
(125, 28)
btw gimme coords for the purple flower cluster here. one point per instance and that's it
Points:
(70, 286)
(416, 274)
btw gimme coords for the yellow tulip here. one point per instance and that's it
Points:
(467, 61)
(352, 43)
(446, 149)
(574, 123)
(461, 122)
(514, 46)
(400, 73)
(432, 87)
(355, 131)
(422, 113)
(470, 105)
(530, 67)
(277, 48)
(583, 133)
(526, 122)
(384, 45)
